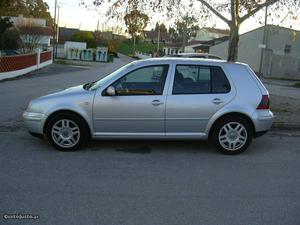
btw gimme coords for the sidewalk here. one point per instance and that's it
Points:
(285, 103)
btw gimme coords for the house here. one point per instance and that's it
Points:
(192, 46)
(208, 33)
(173, 48)
(33, 29)
(203, 46)
(152, 37)
(65, 34)
(279, 57)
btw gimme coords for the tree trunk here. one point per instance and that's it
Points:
(234, 31)
(233, 42)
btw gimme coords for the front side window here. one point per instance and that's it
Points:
(148, 80)
(194, 79)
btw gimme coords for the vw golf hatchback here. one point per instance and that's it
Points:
(162, 98)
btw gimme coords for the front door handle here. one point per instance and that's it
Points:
(156, 102)
(217, 101)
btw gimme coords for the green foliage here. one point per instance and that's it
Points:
(9, 36)
(85, 36)
(10, 39)
(28, 8)
(297, 85)
(186, 26)
(126, 47)
(5, 23)
(162, 27)
(136, 22)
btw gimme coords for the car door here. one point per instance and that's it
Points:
(138, 107)
(196, 93)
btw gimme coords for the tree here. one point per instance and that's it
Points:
(186, 28)
(162, 28)
(10, 39)
(9, 36)
(136, 22)
(238, 10)
(28, 8)
(85, 36)
(5, 23)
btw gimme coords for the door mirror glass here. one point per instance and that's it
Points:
(110, 91)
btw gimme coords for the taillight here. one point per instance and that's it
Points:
(264, 103)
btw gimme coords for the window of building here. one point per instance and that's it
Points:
(287, 49)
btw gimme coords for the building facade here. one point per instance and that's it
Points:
(278, 57)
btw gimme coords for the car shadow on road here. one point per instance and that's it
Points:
(150, 146)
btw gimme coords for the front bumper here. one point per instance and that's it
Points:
(34, 121)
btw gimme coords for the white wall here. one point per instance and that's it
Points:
(73, 44)
(23, 21)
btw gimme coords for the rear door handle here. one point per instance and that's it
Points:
(217, 101)
(156, 102)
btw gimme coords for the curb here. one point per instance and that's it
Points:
(285, 126)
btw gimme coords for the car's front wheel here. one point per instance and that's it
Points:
(232, 135)
(66, 131)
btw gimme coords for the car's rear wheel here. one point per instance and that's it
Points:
(232, 135)
(66, 131)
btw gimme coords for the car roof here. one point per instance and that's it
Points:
(186, 54)
(162, 60)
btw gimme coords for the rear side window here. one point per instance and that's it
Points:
(194, 79)
(219, 82)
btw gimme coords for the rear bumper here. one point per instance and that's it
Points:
(263, 120)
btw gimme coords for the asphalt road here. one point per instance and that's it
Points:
(139, 182)
(134, 183)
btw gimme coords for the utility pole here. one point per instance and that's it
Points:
(54, 32)
(264, 43)
(158, 38)
(57, 31)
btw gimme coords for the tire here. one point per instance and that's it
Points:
(232, 135)
(66, 131)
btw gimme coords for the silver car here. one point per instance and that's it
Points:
(162, 98)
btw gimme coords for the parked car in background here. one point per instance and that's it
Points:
(196, 55)
(158, 98)
(9, 52)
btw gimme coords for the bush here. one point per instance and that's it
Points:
(10, 39)
(85, 36)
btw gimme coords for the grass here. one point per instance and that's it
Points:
(64, 62)
(127, 47)
(297, 85)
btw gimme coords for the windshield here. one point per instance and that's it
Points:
(108, 77)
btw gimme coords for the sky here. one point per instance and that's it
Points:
(73, 15)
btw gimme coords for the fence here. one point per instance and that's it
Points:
(16, 65)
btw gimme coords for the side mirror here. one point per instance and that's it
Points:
(110, 91)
